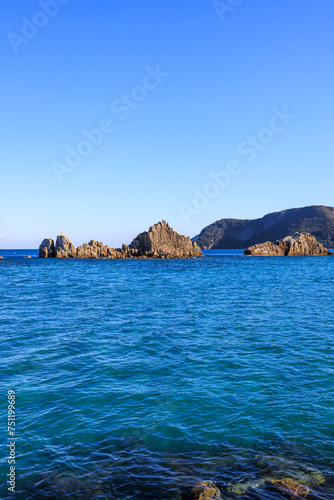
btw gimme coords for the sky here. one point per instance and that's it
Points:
(118, 114)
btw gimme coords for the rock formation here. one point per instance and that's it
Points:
(46, 248)
(64, 247)
(160, 241)
(96, 250)
(299, 244)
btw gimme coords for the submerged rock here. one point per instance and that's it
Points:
(47, 248)
(283, 468)
(301, 244)
(290, 488)
(160, 241)
(241, 488)
(67, 487)
(206, 490)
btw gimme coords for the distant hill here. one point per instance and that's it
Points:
(239, 233)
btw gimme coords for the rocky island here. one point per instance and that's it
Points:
(300, 244)
(159, 242)
(317, 220)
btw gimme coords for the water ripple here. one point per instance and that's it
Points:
(136, 379)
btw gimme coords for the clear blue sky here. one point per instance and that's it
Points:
(226, 75)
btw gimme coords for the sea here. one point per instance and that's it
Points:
(140, 379)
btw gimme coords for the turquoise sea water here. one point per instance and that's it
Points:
(136, 379)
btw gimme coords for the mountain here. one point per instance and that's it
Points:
(242, 233)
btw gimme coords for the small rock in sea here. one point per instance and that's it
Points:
(301, 244)
(27, 257)
(206, 490)
(1, 257)
(292, 488)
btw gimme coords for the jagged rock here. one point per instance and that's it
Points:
(46, 248)
(299, 244)
(64, 247)
(161, 241)
(111, 253)
(206, 490)
(267, 248)
(126, 251)
(96, 250)
(86, 251)
(304, 244)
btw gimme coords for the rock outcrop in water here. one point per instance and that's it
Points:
(301, 244)
(96, 250)
(160, 241)
(47, 248)
(64, 247)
